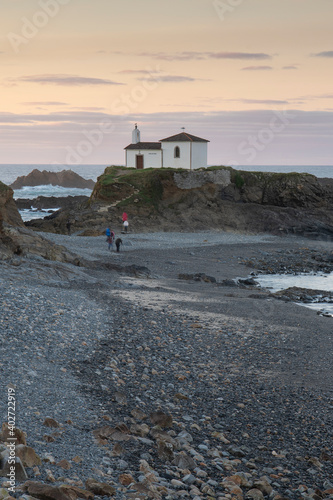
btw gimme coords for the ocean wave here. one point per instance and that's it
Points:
(31, 214)
(30, 192)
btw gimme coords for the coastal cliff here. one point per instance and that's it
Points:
(216, 197)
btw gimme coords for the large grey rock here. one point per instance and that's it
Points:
(65, 178)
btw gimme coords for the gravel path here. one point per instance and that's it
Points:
(92, 248)
(246, 380)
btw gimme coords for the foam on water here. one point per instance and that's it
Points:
(32, 214)
(30, 192)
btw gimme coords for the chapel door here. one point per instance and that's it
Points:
(139, 161)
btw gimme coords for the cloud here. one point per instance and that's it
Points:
(45, 103)
(328, 53)
(240, 55)
(188, 55)
(177, 56)
(269, 102)
(83, 117)
(290, 67)
(257, 68)
(88, 108)
(170, 79)
(66, 80)
(311, 97)
(304, 136)
(136, 72)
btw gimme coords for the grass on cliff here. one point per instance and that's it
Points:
(147, 183)
(252, 177)
(144, 188)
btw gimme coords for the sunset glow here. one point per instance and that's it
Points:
(254, 77)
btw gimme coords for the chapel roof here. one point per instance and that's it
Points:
(145, 145)
(184, 137)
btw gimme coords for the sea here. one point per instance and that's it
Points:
(9, 173)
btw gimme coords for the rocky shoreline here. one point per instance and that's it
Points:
(213, 198)
(167, 387)
(48, 202)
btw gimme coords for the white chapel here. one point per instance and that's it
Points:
(178, 151)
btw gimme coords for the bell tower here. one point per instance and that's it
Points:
(136, 135)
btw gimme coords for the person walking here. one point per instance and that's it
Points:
(118, 243)
(125, 221)
(110, 240)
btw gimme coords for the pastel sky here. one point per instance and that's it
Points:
(254, 77)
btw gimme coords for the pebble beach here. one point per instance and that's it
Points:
(162, 387)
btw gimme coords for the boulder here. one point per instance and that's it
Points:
(21, 241)
(98, 488)
(27, 455)
(62, 492)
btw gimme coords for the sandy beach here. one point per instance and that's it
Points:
(247, 379)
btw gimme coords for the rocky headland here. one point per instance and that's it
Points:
(214, 198)
(65, 178)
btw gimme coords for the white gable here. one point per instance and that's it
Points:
(179, 151)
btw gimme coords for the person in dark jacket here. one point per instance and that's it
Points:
(118, 243)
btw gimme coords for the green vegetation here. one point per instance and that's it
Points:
(239, 181)
(146, 185)
(146, 188)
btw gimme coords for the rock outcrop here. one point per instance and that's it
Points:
(8, 210)
(65, 178)
(213, 198)
(45, 202)
(16, 239)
